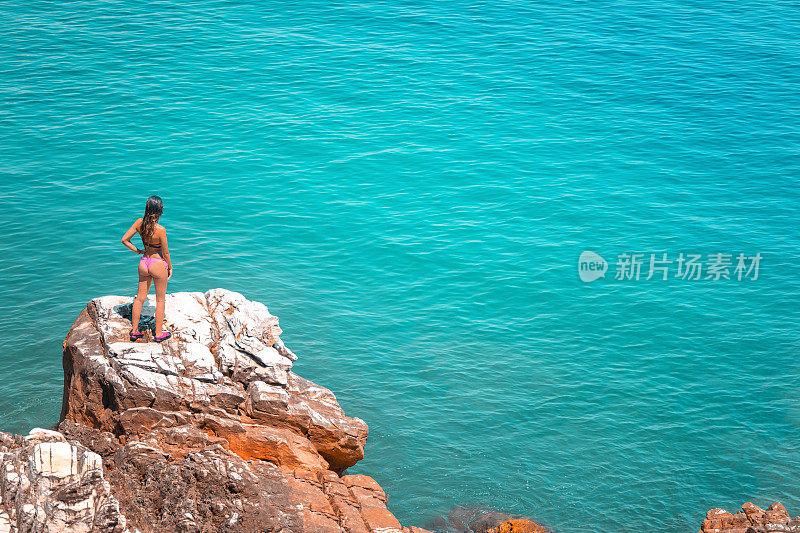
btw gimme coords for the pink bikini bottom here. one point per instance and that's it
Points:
(149, 261)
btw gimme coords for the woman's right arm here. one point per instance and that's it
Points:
(126, 239)
(165, 253)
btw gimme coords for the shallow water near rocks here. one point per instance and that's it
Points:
(409, 187)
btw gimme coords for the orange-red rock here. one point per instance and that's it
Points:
(776, 513)
(754, 513)
(751, 517)
(520, 525)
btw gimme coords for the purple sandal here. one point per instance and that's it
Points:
(135, 336)
(164, 336)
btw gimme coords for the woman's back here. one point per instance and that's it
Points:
(154, 240)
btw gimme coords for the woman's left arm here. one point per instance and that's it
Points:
(126, 239)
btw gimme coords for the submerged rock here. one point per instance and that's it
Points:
(207, 431)
(481, 519)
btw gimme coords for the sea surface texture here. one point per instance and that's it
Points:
(409, 186)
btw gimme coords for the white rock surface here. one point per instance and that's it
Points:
(243, 333)
(246, 326)
(48, 485)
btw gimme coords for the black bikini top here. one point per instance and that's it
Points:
(149, 244)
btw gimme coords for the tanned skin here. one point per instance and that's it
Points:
(158, 272)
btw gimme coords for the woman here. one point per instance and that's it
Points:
(154, 266)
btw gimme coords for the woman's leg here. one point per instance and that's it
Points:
(141, 296)
(159, 272)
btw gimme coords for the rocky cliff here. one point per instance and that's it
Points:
(208, 431)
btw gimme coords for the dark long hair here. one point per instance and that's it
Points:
(152, 210)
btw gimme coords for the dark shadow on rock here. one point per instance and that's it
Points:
(147, 320)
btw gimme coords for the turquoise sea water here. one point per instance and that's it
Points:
(408, 186)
